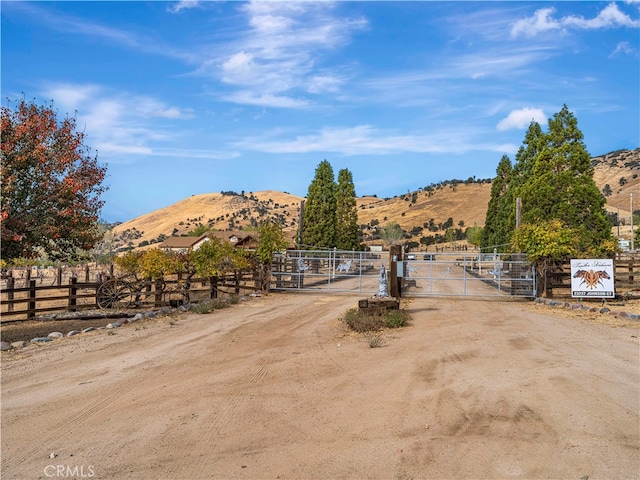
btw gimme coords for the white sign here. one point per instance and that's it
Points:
(592, 278)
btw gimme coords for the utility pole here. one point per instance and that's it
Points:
(300, 224)
(631, 210)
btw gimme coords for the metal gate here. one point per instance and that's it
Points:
(420, 274)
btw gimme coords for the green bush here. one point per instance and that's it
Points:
(396, 319)
(361, 322)
(201, 308)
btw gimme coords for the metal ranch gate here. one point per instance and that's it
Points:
(418, 274)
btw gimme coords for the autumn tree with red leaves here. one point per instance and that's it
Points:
(51, 185)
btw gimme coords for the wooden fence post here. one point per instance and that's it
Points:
(158, 293)
(73, 291)
(213, 283)
(237, 278)
(32, 300)
(59, 277)
(86, 273)
(11, 283)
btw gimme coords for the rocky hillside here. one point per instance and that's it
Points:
(456, 203)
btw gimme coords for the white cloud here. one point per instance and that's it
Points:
(521, 119)
(543, 21)
(245, 97)
(368, 140)
(183, 5)
(623, 48)
(610, 16)
(116, 122)
(282, 51)
(540, 22)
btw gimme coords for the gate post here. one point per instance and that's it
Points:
(395, 282)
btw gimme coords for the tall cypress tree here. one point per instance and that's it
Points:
(498, 228)
(319, 216)
(347, 231)
(553, 177)
(561, 184)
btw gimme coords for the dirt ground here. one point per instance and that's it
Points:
(275, 387)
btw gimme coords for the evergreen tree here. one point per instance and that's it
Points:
(498, 227)
(561, 185)
(319, 216)
(553, 177)
(347, 231)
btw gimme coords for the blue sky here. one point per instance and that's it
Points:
(182, 98)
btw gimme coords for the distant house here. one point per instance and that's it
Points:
(238, 238)
(183, 244)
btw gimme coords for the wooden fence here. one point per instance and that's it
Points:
(25, 298)
(626, 278)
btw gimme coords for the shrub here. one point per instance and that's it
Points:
(396, 319)
(201, 308)
(362, 322)
(374, 339)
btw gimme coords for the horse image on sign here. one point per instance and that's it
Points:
(592, 278)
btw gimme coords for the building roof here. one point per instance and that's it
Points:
(182, 242)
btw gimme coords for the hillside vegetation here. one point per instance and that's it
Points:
(461, 204)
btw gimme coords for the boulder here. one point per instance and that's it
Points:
(56, 335)
(5, 346)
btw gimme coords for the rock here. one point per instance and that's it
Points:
(19, 344)
(88, 329)
(73, 332)
(4, 346)
(605, 310)
(150, 314)
(56, 335)
(41, 339)
(114, 325)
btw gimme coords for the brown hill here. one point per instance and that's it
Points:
(465, 203)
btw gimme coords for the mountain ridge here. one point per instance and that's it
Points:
(617, 174)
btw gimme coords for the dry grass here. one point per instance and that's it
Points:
(466, 203)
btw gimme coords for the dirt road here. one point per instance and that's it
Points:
(276, 388)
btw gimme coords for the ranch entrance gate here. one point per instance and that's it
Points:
(409, 275)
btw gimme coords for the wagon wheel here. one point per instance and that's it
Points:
(175, 297)
(114, 294)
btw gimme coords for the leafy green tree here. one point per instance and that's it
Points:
(392, 233)
(271, 239)
(546, 244)
(474, 235)
(51, 185)
(215, 258)
(347, 231)
(319, 217)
